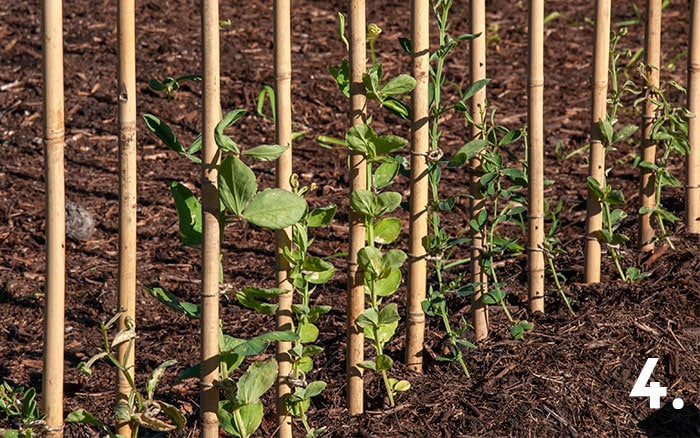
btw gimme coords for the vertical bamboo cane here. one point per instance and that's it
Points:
(283, 101)
(652, 63)
(536, 157)
(692, 213)
(358, 181)
(211, 248)
(127, 192)
(53, 107)
(477, 71)
(596, 165)
(418, 225)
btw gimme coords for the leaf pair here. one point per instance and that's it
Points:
(273, 209)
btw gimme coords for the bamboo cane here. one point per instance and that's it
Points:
(283, 102)
(692, 215)
(596, 166)
(54, 135)
(536, 157)
(127, 193)
(652, 63)
(418, 224)
(477, 71)
(211, 248)
(358, 181)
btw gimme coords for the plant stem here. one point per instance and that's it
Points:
(558, 284)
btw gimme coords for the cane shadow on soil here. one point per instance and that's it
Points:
(669, 422)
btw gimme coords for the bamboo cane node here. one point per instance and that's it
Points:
(536, 83)
(211, 295)
(649, 116)
(531, 249)
(53, 428)
(54, 135)
(692, 186)
(283, 76)
(535, 216)
(412, 256)
(416, 317)
(206, 384)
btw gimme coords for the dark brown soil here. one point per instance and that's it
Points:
(570, 376)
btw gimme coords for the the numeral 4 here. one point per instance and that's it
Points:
(654, 391)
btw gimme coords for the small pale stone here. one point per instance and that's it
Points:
(79, 222)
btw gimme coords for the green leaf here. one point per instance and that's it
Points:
(368, 365)
(370, 260)
(389, 314)
(605, 129)
(615, 197)
(467, 152)
(361, 138)
(401, 84)
(401, 386)
(474, 88)
(308, 333)
(397, 107)
(495, 296)
(341, 74)
(384, 362)
(386, 230)
(250, 298)
(223, 141)
(479, 222)
(383, 334)
(275, 209)
(518, 330)
(406, 44)
(317, 311)
(169, 299)
(82, 416)
(189, 213)
(387, 284)
(314, 388)
(387, 144)
(603, 236)
(266, 152)
(385, 173)
(252, 415)
(317, 270)
(164, 133)
(511, 137)
(155, 377)
(617, 216)
(386, 202)
(311, 350)
(394, 258)
(368, 318)
(237, 184)
(594, 186)
(256, 381)
(319, 217)
(362, 201)
(624, 133)
(255, 345)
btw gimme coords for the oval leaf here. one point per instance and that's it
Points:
(237, 184)
(275, 209)
(266, 152)
(387, 230)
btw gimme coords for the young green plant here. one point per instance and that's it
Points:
(20, 407)
(139, 410)
(381, 269)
